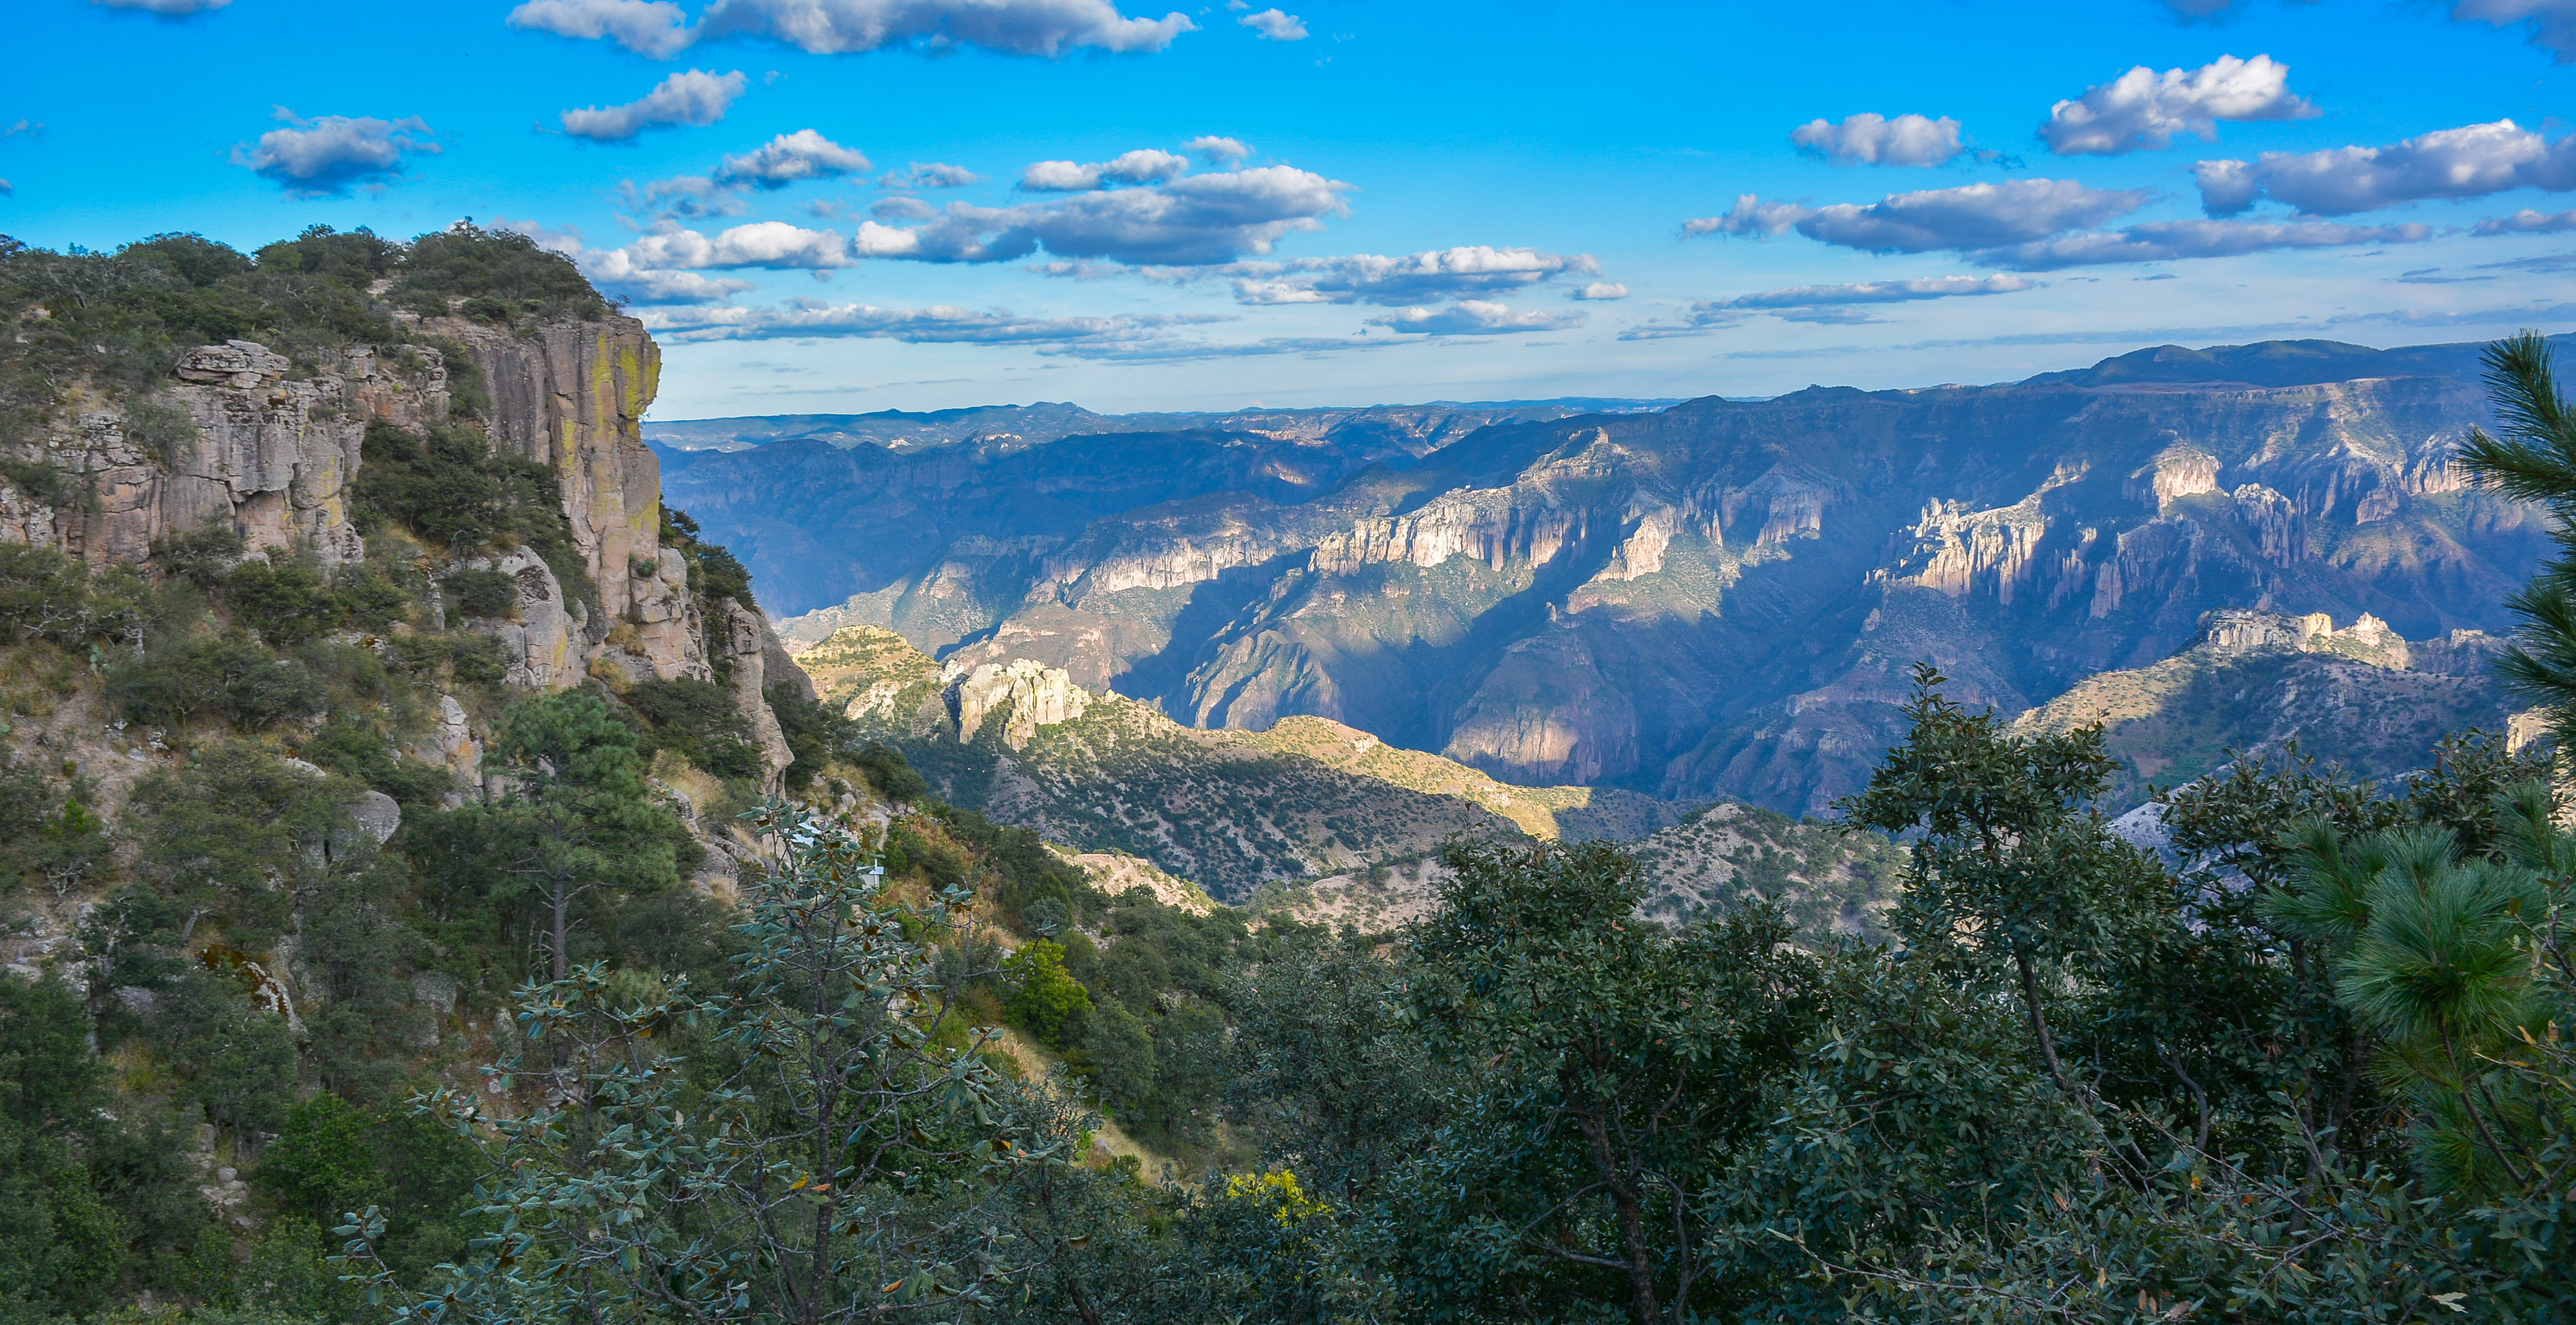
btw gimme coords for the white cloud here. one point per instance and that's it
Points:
(656, 28)
(903, 209)
(929, 175)
(2160, 241)
(2467, 162)
(1059, 177)
(2527, 222)
(1972, 216)
(165, 8)
(1198, 221)
(616, 274)
(692, 97)
(788, 159)
(1414, 278)
(1602, 290)
(2145, 109)
(324, 156)
(1145, 165)
(1830, 304)
(1875, 140)
(936, 324)
(1274, 25)
(1880, 292)
(1474, 317)
(661, 29)
(1218, 151)
(2552, 23)
(771, 244)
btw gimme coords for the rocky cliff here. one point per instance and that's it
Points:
(2252, 684)
(238, 438)
(1722, 598)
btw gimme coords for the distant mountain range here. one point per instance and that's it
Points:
(1712, 599)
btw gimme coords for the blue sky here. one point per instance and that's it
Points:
(847, 205)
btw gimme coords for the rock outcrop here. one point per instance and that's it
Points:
(235, 437)
(1038, 696)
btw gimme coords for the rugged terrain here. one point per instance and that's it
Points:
(1230, 811)
(1716, 600)
(2254, 683)
(833, 505)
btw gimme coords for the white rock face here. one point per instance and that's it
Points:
(540, 642)
(757, 656)
(1038, 695)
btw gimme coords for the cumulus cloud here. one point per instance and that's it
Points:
(929, 175)
(1218, 151)
(790, 158)
(693, 97)
(2552, 23)
(2467, 162)
(1145, 165)
(1474, 317)
(944, 324)
(661, 29)
(1875, 140)
(771, 244)
(1880, 292)
(1831, 304)
(1601, 290)
(616, 274)
(2527, 222)
(2160, 241)
(326, 156)
(903, 209)
(165, 8)
(2145, 109)
(1198, 221)
(1973, 216)
(1395, 281)
(1274, 25)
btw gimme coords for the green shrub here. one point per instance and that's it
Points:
(49, 484)
(700, 722)
(1046, 1001)
(227, 674)
(484, 593)
(885, 770)
(499, 274)
(816, 732)
(283, 598)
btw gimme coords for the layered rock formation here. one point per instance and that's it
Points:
(1723, 597)
(2252, 683)
(234, 439)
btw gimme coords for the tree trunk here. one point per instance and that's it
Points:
(562, 898)
(1632, 1227)
(2039, 1019)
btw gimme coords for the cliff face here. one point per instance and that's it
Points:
(572, 396)
(274, 457)
(1723, 598)
(277, 458)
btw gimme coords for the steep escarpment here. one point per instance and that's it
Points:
(1231, 811)
(2254, 683)
(1723, 598)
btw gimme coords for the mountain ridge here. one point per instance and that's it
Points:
(1718, 599)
